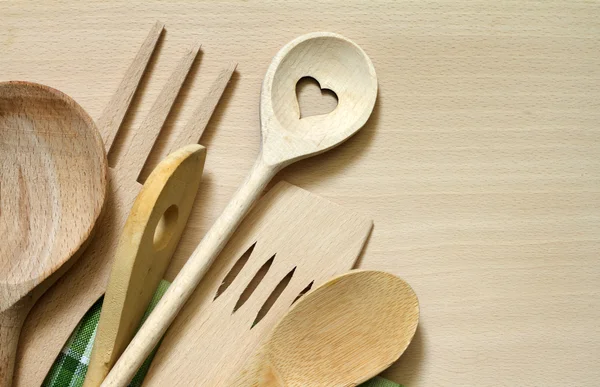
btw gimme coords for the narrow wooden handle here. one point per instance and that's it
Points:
(11, 321)
(190, 275)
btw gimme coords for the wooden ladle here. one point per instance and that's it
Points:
(340, 334)
(52, 188)
(337, 64)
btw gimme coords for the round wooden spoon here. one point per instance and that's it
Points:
(52, 187)
(340, 334)
(337, 64)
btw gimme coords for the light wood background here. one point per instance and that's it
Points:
(480, 166)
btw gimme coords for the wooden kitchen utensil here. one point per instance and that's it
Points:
(150, 236)
(56, 314)
(53, 183)
(290, 241)
(339, 65)
(342, 333)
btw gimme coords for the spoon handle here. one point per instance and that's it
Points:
(190, 275)
(11, 321)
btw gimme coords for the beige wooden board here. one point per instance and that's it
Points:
(292, 240)
(480, 166)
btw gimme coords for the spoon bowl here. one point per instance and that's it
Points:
(53, 185)
(337, 64)
(342, 333)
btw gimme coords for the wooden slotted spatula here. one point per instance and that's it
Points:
(291, 241)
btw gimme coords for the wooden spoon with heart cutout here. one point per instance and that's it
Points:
(338, 64)
(342, 333)
(52, 188)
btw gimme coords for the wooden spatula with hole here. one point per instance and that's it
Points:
(337, 64)
(342, 333)
(52, 188)
(150, 236)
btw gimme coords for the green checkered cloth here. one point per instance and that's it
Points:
(70, 366)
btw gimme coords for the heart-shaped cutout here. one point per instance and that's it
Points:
(314, 100)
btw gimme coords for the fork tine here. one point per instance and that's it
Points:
(193, 130)
(144, 138)
(112, 117)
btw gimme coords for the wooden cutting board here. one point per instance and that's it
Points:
(291, 240)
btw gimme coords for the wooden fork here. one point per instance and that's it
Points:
(56, 314)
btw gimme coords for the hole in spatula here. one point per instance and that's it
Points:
(260, 274)
(235, 270)
(303, 292)
(164, 228)
(274, 296)
(312, 99)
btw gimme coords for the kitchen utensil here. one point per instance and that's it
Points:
(291, 240)
(150, 236)
(342, 333)
(338, 64)
(57, 313)
(53, 184)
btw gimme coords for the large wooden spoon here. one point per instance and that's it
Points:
(340, 334)
(337, 64)
(52, 187)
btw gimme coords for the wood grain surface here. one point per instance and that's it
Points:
(480, 165)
